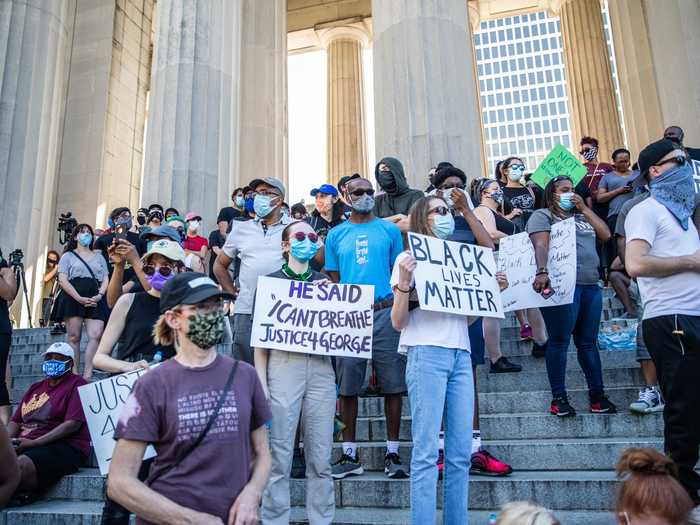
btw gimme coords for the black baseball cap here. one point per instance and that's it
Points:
(347, 178)
(651, 155)
(189, 288)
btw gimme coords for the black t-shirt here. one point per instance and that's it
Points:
(528, 200)
(5, 324)
(215, 240)
(103, 243)
(228, 214)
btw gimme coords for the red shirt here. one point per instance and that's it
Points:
(596, 172)
(44, 407)
(194, 243)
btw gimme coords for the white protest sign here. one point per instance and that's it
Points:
(329, 320)
(455, 278)
(102, 403)
(516, 258)
(695, 164)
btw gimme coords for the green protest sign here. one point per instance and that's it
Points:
(559, 161)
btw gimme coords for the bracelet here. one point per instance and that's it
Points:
(542, 272)
(406, 291)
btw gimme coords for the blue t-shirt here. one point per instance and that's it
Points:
(364, 254)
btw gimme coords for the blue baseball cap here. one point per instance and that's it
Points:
(328, 189)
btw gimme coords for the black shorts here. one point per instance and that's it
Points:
(55, 460)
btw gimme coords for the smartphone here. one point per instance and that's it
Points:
(120, 232)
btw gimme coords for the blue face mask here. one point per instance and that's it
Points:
(263, 205)
(304, 250)
(364, 204)
(565, 201)
(443, 226)
(85, 239)
(249, 205)
(126, 222)
(54, 368)
(675, 190)
(240, 201)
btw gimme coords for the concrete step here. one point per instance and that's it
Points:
(60, 512)
(537, 426)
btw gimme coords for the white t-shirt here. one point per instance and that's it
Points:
(679, 294)
(427, 328)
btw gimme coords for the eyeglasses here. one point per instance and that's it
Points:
(440, 210)
(361, 191)
(210, 306)
(452, 186)
(300, 236)
(164, 270)
(679, 159)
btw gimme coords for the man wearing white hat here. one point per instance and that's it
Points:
(48, 428)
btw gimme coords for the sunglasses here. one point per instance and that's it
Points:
(560, 178)
(452, 186)
(52, 261)
(360, 192)
(165, 270)
(680, 160)
(300, 236)
(440, 210)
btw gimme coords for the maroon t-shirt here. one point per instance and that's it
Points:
(44, 407)
(596, 172)
(170, 406)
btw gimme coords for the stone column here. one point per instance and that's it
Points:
(425, 95)
(35, 39)
(346, 150)
(192, 130)
(589, 76)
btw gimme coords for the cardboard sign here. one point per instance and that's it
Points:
(455, 278)
(516, 258)
(329, 320)
(559, 161)
(102, 403)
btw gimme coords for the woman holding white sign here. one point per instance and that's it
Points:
(439, 379)
(299, 384)
(582, 317)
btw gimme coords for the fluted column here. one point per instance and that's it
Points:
(346, 149)
(35, 38)
(589, 76)
(425, 96)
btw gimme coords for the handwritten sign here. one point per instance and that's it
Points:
(695, 164)
(455, 278)
(102, 403)
(516, 258)
(559, 161)
(329, 320)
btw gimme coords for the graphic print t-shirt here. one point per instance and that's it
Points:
(171, 405)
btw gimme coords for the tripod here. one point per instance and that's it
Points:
(22, 279)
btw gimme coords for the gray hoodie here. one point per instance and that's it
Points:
(398, 197)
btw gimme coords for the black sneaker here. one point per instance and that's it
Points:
(503, 366)
(560, 407)
(393, 467)
(298, 465)
(600, 404)
(539, 351)
(346, 466)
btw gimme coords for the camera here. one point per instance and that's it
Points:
(15, 258)
(66, 225)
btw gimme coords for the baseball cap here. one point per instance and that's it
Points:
(167, 248)
(189, 288)
(651, 155)
(270, 181)
(192, 215)
(328, 189)
(61, 348)
(347, 178)
(162, 231)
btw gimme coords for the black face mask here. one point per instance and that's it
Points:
(387, 181)
(141, 219)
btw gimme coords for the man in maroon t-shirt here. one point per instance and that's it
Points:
(596, 171)
(48, 428)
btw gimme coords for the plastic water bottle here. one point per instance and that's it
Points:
(492, 519)
(157, 358)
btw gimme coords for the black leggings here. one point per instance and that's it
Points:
(112, 512)
(5, 341)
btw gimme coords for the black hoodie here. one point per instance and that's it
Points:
(397, 199)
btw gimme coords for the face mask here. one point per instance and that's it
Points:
(85, 239)
(249, 205)
(263, 205)
(128, 223)
(54, 368)
(497, 196)
(239, 201)
(157, 281)
(386, 181)
(516, 173)
(206, 330)
(364, 204)
(443, 226)
(193, 226)
(141, 219)
(565, 201)
(591, 154)
(304, 250)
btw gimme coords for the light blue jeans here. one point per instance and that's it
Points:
(440, 381)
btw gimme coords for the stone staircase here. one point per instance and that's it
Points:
(566, 465)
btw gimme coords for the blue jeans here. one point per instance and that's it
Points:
(580, 319)
(440, 381)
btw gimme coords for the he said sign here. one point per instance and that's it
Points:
(516, 258)
(559, 161)
(102, 403)
(326, 319)
(455, 278)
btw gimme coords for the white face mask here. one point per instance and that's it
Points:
(193, 226)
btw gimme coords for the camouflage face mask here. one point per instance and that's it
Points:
(206, 330)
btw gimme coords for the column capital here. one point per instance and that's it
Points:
(555, 6)
(473, 14)
(357, 31)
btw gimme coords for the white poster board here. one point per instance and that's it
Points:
(329, 319)
(455, 278)
(102, 404)
(695, 164)
(516, 258)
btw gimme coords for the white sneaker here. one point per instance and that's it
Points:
(649, 401)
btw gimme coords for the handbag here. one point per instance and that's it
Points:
(102, 305)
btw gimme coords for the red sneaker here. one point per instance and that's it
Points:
(484, 464)
(526, 332)
(441, 463)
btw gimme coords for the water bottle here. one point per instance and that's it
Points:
(157, 358)
(492, 519)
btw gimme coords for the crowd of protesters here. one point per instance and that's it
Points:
(152, 288)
